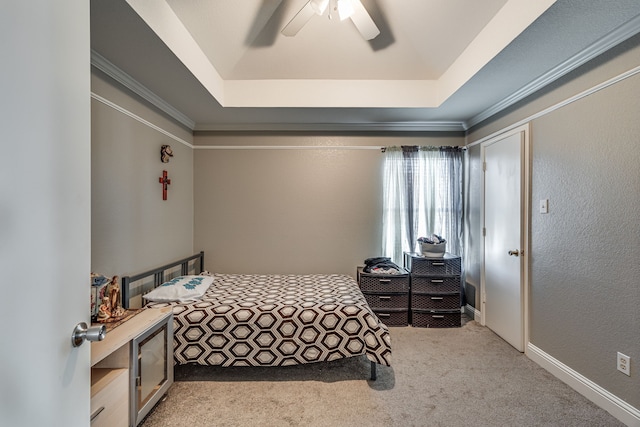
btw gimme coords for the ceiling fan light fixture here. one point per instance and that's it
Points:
(339, 9)
(319, 6)
(345, 9)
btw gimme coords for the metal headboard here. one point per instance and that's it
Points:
(158, 275)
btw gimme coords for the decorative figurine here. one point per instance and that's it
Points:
(111, 308)
(165, 153)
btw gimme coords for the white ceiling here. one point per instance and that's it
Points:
(436, 65)
(247, 44)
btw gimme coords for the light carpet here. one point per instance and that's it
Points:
(439, 377)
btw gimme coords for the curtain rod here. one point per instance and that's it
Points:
(287, 147)
(424, 147)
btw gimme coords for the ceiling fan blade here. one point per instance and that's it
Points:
(302, 17)
(363, 21)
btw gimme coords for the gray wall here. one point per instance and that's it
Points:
(584, 289)
(295, 210)
(132, 228)
(473, 225)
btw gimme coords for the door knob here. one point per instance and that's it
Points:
(514, 253)
(81, 333)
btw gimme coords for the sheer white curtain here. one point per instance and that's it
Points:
(422, 192)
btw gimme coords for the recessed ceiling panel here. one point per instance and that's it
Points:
(236, 50)
(419, 39)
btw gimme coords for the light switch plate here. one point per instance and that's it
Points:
(544, 206)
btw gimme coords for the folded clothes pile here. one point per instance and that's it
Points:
(434, 239)
(381, 265)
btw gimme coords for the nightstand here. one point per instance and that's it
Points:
(132, 368)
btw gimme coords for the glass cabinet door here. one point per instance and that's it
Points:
(152, 368)
(152, 365)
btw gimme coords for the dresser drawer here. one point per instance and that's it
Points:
(435, 301)
(435, 319)
(387, 300)
(447, 265)
(435, 284)
(109, 397)
(383, 283)
(393, 317)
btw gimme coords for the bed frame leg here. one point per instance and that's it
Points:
(374, 374)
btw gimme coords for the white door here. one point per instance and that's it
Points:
(45, 218)
(504, 243)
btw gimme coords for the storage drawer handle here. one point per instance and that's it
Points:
(437, 281)
(385, 280)
(383, 314)
(437, 263)
(95, 414)
(384, 298)
(438, 316)
(437, 298)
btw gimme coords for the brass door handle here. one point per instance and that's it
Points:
(514, 253)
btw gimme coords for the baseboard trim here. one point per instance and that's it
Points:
(592, 391)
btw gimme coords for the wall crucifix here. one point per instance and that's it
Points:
(165, 184)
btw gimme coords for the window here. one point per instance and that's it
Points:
(422, 196)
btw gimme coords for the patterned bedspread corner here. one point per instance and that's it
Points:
(277, 320)
(378, 341)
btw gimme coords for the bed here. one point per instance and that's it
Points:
(267, 320)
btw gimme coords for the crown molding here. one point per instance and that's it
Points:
(426, 126)
(139, 119)
(615, 37)
(101, 63)
(104, 65)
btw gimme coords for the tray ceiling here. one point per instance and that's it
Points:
(436, 65)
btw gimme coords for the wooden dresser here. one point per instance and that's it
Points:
(115, 368)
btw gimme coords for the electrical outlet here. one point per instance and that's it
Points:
(624, 364)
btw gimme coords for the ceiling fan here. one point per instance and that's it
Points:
(341, 9)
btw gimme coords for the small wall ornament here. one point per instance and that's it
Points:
(165, 153)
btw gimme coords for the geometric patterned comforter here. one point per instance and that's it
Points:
(278, 320)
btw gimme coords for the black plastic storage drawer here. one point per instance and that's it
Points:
(393, 317)
(435, 301)
(383, 283)
(447, 265)
(435, 319)
(375, 300)
(435, 284)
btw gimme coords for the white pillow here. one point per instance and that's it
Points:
(183, 288)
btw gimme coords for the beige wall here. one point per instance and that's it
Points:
(584, 292)
(299, 210)
(132, 228)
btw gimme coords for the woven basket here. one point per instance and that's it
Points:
(433, 250)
